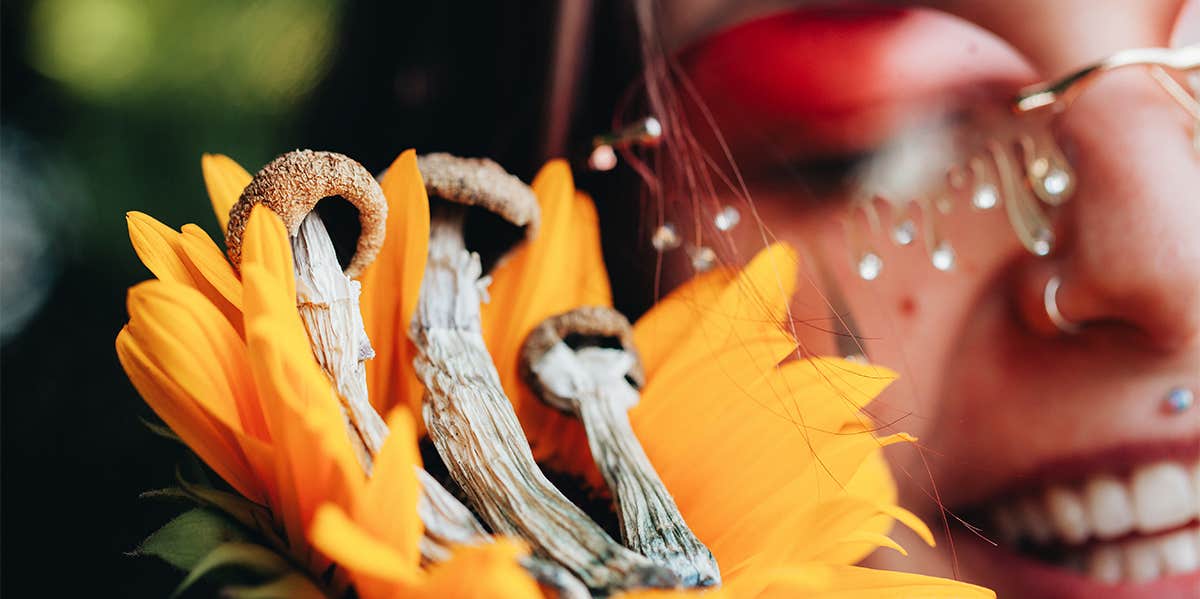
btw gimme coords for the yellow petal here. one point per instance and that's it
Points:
(225, 180)
(155, 244)
(481, 572)
(553, 273)
(754, 304)
(213, 275)
(266, 243)
(302, 408)
(559, 270)
(771, 440)
(213, 440)
(347, 543)
(389, 504)
(831, 581)
(664, 327)
(210, 261)
(190, 340)
(391, 285)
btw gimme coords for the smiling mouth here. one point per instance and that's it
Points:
(1137, 527)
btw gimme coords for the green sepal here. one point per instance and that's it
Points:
(249, 514)
(186, 540)
(246, 558)
(161, 430)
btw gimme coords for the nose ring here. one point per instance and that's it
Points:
(1050, 299)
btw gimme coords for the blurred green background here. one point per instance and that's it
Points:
(106, 107)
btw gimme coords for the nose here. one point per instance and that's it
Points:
(1130, 237)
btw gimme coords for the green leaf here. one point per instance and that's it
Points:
(161, 430)
(255, 559)
(288, 586)
(248, 513)
(168, 493)
(186, 540)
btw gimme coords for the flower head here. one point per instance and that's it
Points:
(768, 457)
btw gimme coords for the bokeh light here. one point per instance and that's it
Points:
(262, 55)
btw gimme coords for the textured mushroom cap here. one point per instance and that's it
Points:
(588, 321)
(292, 184)
(481, 182)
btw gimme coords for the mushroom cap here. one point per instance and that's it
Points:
(588, 321)
(483, 183)
(292, 184)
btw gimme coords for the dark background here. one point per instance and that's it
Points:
(107, 106)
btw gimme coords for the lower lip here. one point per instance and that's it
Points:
(1013, 575)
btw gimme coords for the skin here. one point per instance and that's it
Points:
(991, 387)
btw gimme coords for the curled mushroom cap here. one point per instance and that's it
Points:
(504, 212)
(480, 182)
(292, 184)
(589, 325)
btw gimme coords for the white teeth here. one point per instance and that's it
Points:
(1068, 514)
(1034, 520)
(1109, 506)
(1142, 562)
(1163, 496)
(1104, 564)
(1113, 529)
(1179, 552)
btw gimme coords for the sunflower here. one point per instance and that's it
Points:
(225, 361)
(768, 457)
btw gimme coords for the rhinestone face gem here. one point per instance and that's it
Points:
(703, 259)
(869, 266)
(727, 218)
(1056, 181)
(905, 232)
(1179, 400)
(943, 257)
(1043, 242)
(985, 197)
(665, 238)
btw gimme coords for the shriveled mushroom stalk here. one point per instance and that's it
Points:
(583, 362)
(467, 414)
(328, 302)
(327, 299)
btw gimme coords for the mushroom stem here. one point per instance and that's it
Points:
(650, 521)
(328, 303)
(474, 427)
(596, 383)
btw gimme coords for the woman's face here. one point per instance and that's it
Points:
(1059, 446)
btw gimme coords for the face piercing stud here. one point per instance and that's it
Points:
(1179, 400)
